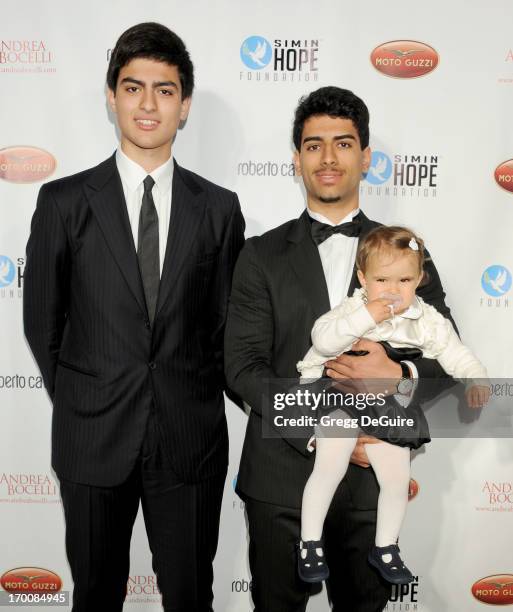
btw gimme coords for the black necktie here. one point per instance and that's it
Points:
(322, 231)
(148, 248)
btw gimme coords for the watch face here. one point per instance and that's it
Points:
(404, 386)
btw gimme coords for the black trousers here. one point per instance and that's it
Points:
(274, 531)
(182, 524)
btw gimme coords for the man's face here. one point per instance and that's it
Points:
(331, 160)
(149, 106)
(392, 275)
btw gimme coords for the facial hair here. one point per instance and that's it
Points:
(329, 200)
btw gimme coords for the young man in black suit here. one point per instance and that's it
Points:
(129, 268)
(284, 280)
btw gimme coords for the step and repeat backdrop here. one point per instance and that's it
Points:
(438, 80)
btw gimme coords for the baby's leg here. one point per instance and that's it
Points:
(331, 460)
(391, 465)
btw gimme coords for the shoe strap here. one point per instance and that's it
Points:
(311, 544)
(393, 550)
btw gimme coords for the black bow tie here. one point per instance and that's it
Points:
(323, 231)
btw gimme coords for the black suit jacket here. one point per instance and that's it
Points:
(85, 318)
(278, 292)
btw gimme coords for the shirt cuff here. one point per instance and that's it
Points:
(413, 369)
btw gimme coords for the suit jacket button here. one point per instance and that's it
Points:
(147, 324)
(152, 365)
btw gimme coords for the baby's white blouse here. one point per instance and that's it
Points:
(420, 326)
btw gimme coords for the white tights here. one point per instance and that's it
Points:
(391, 465)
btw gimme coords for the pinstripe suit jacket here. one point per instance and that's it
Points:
(85, 319)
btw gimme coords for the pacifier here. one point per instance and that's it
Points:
(393, 297)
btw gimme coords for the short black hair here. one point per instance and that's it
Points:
(152, 41)
(335, 102)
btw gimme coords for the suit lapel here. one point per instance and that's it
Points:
(305, 261)
(105, 194)
(367, 226)
(187, 210)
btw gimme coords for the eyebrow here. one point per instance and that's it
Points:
(154, 84)
(319, 138)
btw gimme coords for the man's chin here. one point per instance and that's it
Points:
(329, 199)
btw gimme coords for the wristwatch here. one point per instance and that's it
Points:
(405, 384)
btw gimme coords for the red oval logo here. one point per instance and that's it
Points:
(504, 175)
(30, 580)
(496, 590)
(26, 164)
(413, 489)
(404, 59)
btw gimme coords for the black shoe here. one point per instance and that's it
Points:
(313, 567)
(394, 571)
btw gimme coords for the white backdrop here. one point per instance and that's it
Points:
(452, 123)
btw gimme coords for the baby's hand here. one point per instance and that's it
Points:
(477, 396)
(381, 309)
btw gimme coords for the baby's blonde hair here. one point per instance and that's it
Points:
(389, 238)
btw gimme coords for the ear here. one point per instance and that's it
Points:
(297, 164)
(185, 108)
(111, 97)
(361, 278)
(367, 157)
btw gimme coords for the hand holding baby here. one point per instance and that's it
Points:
(477, 396)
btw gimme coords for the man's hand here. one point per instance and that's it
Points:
(374, 370)
(477, 396)
(359, 456)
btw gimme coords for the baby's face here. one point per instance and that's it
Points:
(392, 275)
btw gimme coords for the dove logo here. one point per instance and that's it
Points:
(26, 164)
(380, 169)
(404, 59)
(504, 175)
(496, 590)
(496, 280)
(30, 580)
(256, 52)
(7, 271)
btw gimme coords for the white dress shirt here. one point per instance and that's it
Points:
(338, 254)
(132, 177)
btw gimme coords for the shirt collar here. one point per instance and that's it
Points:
(318, 217)
(414, 310)
(133, 175)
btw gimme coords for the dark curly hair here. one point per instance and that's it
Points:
(335, 102)
(152, 41)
